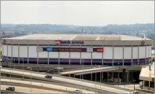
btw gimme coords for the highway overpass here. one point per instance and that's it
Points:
(87, 84)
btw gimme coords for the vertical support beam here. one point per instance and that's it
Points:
(69, 56)
(12, 59)
(118, 76)
(100, 77)
(91, 62)
(132, 53)
(95, 76)
(81, 62)
(149, 86)
(58, 59)
(143, 84)
(107, 76)
(102, 53)
(145, 52)
(112, 75)
(138, 55)
(37, 57)
(48, 54)
(123, 53)
(113, 54)
(27, 51)
(18, 53)
(7, 54)
(127, 78)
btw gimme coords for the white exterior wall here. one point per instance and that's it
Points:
(85, 55)
(149, 51)
(32, 51)
(118, 52)
(15, 51)
(5, 50)
(53, 54)
(23, 51)
(42, 54)
(9, 50)
(64, 55)
(74, 55)
(141, 52)
(107, 54)
(127, 52)
(96, 55)
(135, 53)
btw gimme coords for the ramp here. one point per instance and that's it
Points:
(148, 73)
(84, 83)
(92, 70)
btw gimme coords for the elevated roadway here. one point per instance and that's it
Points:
(148, 72)
(45, 85)
(88, 84)
(21, 89)
(92, 70)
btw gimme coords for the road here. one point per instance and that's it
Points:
(45, 85)
(92, 70)
(21, 89)
(63, 79)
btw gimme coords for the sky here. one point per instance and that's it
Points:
(87, 13)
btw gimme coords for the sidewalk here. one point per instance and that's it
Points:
(131, 87)
(128, 86)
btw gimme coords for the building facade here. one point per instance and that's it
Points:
(63, 49)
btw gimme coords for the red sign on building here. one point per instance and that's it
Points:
(57, 42)
(100, 50)
(143, 43)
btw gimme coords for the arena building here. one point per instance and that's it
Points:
(73, 50)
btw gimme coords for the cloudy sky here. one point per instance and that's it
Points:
(77, 12)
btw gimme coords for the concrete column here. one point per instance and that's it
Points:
(138, 56)
(123, 55)
(132, 54)
(95, 77)
(37, 58)
(145, 53)
(127, 76)
(113, 55)
(18, 53)
(107, 76)
(112, 74)
(91, 76)
(48, 55)
(143, 84)
(100, 77)
(27, 52)
(149, 86)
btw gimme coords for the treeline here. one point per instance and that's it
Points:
(131, 29)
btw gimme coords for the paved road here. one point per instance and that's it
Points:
(62, 79)
(21, 89)
(92, 70)
(57, 87)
